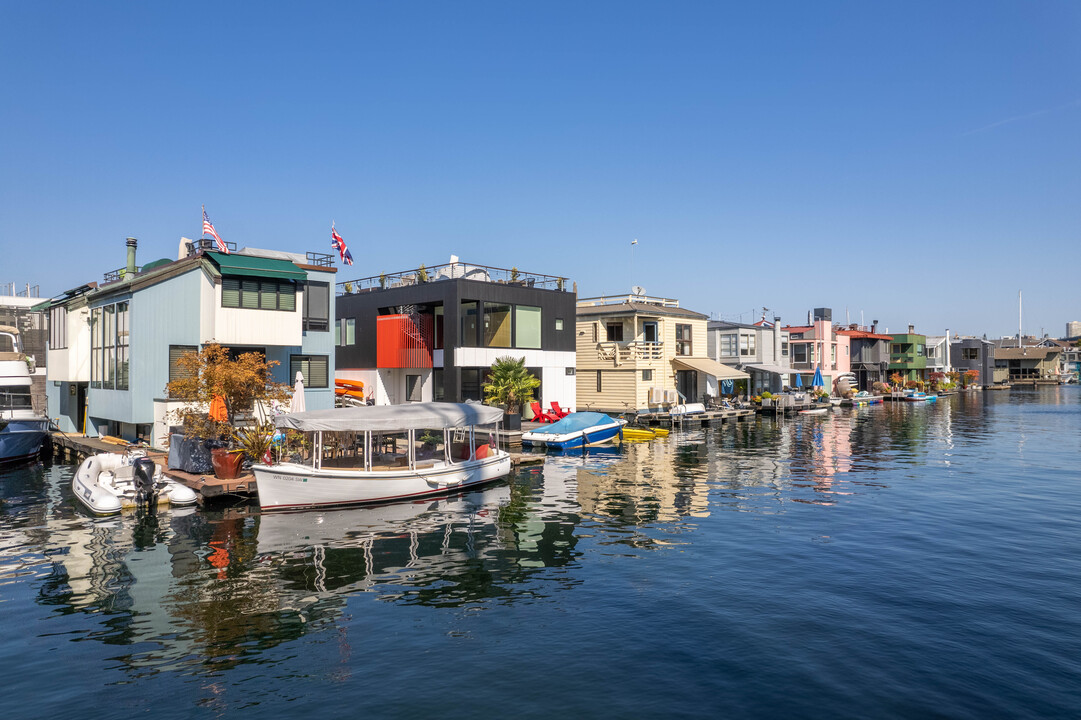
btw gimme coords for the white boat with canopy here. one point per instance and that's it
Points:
(382, 453)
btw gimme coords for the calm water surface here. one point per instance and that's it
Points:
(890, 561)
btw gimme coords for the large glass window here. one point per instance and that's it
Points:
(439, 319)
(970, 353)
(728, 344)
(345, 332)
(469, 323)
(497, 325)
(746, 345)
(316, 306)
(109, 347)
(471, 384)
(527, 326)
(438, 391)
(314, 367)
(799, 352)
(58, 328)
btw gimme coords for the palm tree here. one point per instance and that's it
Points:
(510, 384)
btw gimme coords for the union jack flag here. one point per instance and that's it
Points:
(208, 229)
(338, 244)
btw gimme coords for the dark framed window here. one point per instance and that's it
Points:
(316, 369)
(497, 325)
(614, 332)
(471, 384)
(570, 371)
(559, 323)
(317, 306)
(439, 392)
(970, 353)
(647, 375)
(413, 388)
(470, 323)
(683, 340)
(799, 352)
(527, 326)
(599, 385)
(258, 294)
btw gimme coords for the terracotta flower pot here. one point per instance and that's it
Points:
(226, 463)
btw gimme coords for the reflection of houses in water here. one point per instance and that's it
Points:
(652, 482)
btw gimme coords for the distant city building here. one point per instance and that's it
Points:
(1073, 329)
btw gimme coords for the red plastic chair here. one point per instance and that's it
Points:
(559, 412)
(539, 415)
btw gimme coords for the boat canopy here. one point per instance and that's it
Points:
(388, 418)
(575, 422)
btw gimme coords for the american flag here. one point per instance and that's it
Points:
(208, 229)
(338, 244)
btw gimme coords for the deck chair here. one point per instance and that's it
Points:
(539, 415)
(559, 412)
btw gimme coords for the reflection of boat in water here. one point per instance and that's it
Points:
(814, 411)
(920, 397)
(108, 483)
(575, 431)
(399, 452)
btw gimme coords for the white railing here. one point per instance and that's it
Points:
(636, 350)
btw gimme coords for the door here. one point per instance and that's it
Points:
(687, 385)
(649, 331)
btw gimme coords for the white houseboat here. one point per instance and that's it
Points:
(383, 453)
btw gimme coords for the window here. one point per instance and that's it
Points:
(109, 347)
(559, 323)
(599, 386)
(469, 323)
(439, 319)
(345, 332)
(920, 350)
(647, 375)
(527, 326)
(728, 345)
(784, 348)
(438, 391)
(833, 353)
(570, 371)
(413, 388)
(896, 349)
(614, 332)
(970, 353)
(746, 344)
(316, 306)
(58, 328)
(683, 340)
(497, 325)
(314, 367)
(175, 353)
(799, 352)
(471, 384)
(258, 294)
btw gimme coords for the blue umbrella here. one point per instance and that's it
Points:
(727, 387)
(799, 380)
(817, 382)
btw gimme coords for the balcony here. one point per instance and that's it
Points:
(633, 351)
(454, 271)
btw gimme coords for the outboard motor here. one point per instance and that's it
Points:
(145, 491)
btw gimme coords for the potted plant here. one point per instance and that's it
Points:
(510, 384)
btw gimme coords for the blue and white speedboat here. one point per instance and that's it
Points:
(577, 430)
(22, 431)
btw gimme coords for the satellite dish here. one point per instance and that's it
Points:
(638, 290)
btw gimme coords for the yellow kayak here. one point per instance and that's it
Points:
(643, 433)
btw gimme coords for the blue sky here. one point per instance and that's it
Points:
(909, 162)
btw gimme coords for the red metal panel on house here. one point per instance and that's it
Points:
(403, 341)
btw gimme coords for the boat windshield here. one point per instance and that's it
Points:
(15, 398)
(7, 343)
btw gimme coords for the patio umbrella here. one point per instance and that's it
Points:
(799, 380)
(297, 403)
(218, 411)
(728, 387)
(817, 382)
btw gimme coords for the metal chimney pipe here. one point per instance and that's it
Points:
(776, 339)
(132, 243)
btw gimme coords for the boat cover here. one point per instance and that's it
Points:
(575, 422)
(388, 418)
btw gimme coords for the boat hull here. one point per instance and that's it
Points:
(580, 438)
(291, 487)
(21, 439)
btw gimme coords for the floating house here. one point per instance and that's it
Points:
(819, 346)
(637, 352)
(114, 345)
(908, 355)
(972, 353)
(869, 354)
(432, 333)
(760, 349)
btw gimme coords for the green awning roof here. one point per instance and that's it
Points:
(252, 266)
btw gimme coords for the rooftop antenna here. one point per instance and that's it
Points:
(1020, 337)
(633, 243)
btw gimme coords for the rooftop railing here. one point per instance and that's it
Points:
(454, 271)
(320, 259)
(120, 274)
(624, 299)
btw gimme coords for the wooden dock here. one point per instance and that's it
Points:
(696, 420)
